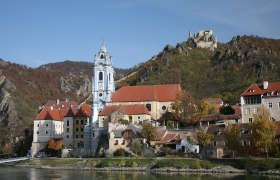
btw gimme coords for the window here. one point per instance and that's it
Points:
(82, 136)
(214, 143)
(109, 76)
(130, 118)
(92, 134)
(116, 142)
(82, 121)
(37, 132)
(236, 120)
(100, 94)
(77, 136)
(100, 77)
(247, 111)
(278, 104)
(82, 129)
(47, 132)
(148, 106)
(163, 108)
(38, 125)
(67, 122)
(270, 105)
(77, 129)
(123, 142)
(77, 122)
(67, 136)
(67, 129)
(255, 110)
(138, 117)
(47, 125)
(252, 100)
(250, 120)
(246, 143)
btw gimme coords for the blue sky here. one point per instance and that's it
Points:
(36, 32)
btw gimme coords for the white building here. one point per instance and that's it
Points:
(265, 95)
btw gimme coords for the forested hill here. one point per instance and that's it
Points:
(224, 73)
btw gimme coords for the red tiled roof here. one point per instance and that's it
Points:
(257, 89)
(84, 110)
(219, 117)
(160, 134)
(171, 138)
(49, 112)
(215, 101)
(127, 109)
(61, 104)
(146, 93)
(52, 114)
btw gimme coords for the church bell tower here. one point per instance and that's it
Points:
(103, 84)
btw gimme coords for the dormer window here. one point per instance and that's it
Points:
(268, 94)
(251, 90)
(102, 56)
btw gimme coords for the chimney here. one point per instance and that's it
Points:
(265, 84)
(66, 100)
(57, 101)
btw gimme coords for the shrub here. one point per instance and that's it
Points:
(121, 152)
(122, 163)
(105, 163)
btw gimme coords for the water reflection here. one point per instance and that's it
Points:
(11, 173)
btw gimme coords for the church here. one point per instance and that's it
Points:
(113, 120)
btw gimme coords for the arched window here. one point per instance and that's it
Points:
(109, 76)
(100, 76)
(148, 106)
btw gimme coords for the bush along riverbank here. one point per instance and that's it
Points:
(160, 165)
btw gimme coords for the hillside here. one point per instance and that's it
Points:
(223, 73)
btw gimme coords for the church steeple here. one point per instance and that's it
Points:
(102, 81)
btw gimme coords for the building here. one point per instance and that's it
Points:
(133, 114)
(49, 123)
(265, 95)
(156, 98)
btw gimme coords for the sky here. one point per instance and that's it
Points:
(37, 32)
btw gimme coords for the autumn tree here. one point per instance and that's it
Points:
(203, 138)
(263, 131)
(149, 132)
(55, 144)
(205, 108)
(184, 108)
(233, 135)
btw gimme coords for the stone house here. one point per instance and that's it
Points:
(134, 114)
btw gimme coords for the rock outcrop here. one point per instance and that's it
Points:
(203, 39)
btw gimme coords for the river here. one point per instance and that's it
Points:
(16, 173)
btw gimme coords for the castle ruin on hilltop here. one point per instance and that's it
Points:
(203, 39)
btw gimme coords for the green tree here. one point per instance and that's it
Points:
(263, 131)
(203, 138)
(226, 110)
(136, 147)
(233, 135)
(184, 108)
(149, 132)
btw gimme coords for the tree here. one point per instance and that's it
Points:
(136, 147)
(233, 135)
(263, 131)
(55, 144)
(184, 108)
(203, 138)
(226, 110)
(205, 108)
(149, 132)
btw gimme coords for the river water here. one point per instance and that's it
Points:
(15, 173)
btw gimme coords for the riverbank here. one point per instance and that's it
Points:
(159, 165)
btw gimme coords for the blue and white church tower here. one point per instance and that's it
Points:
(103, 84)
